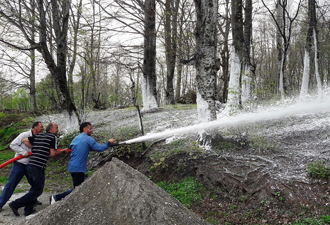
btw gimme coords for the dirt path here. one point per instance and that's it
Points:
(7, 216)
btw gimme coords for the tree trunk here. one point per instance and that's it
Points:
(149, 91)
(58, 68)
(316, 63)
(224, 53)
(205, 58)
(171, 15)
(76, 23)
(240, 66)
(311, 38)
(279, 45)
(246, 61)
(308, 49)
(33, 60)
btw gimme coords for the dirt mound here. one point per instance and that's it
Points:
(117, 194)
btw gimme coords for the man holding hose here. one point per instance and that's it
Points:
(18, 171)
(80, 147)
(43, 146)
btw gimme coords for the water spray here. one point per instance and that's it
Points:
(241, 119)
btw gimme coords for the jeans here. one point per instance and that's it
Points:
(18, 171)
(28, 200)
(77, 179)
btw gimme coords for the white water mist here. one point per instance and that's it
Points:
(223, 121)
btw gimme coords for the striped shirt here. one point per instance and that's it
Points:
(42, 143)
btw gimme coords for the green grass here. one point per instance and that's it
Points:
(12, 125)
(186, 191)
(6, 155)
(7, 135)
(3, 180)
(322, 220)
(318, 169)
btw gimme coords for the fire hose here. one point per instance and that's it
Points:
(30, 153)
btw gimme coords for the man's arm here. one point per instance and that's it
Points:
(27, 143)
(55, 152)
(17, 145)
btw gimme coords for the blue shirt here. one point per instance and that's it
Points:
(80, 147)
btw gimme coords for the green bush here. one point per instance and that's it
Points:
(318, 169)
(65, 141)
(6, 136)
(186, 191)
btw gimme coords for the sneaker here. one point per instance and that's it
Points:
(29, 212)
(51, 200)
(15, 210)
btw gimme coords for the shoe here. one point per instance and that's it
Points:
(29, 212)
(51, 200)
(15, 210)
(38, 203)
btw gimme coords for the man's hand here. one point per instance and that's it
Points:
(66, 150)
(26, 155)
(112, 141)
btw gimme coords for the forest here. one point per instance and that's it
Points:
(77, 55)
(186, 60)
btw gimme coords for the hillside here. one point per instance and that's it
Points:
(256, 172)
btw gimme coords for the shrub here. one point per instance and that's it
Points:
(186, 191)
(318, 169)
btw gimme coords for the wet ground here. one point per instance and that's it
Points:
(261, 178)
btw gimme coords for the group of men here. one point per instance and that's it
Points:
(33, 167)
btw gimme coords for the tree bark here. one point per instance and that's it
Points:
(58, 68)
(224, 29)
(149, 90)
(239, 85)
(33, 61)
(76, 23)
(284, 23)
(205, 58)
(171, 15)
(311, 38)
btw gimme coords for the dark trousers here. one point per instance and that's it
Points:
(77, 179)
(37, 176)
(18, 171)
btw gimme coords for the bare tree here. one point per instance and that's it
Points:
(140, 19)
(311, 37)
(149, 62)
(224, 28)
(33, 59)
(284, 23)
(14, 12)
(185, 48)
(171, 39)
(239, 84)
(75, 20)
(205, 57)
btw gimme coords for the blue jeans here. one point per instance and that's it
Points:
(18, 171)
(77, 179)
(28, 200)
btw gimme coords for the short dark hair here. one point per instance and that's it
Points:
(35, 124)
(50, 125)
(83, 125)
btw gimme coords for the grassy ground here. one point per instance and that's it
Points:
(214, 205)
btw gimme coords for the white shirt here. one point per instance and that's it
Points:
(19, 147)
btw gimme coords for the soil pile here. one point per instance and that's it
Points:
(117, 194)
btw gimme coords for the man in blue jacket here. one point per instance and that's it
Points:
(80, 147)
